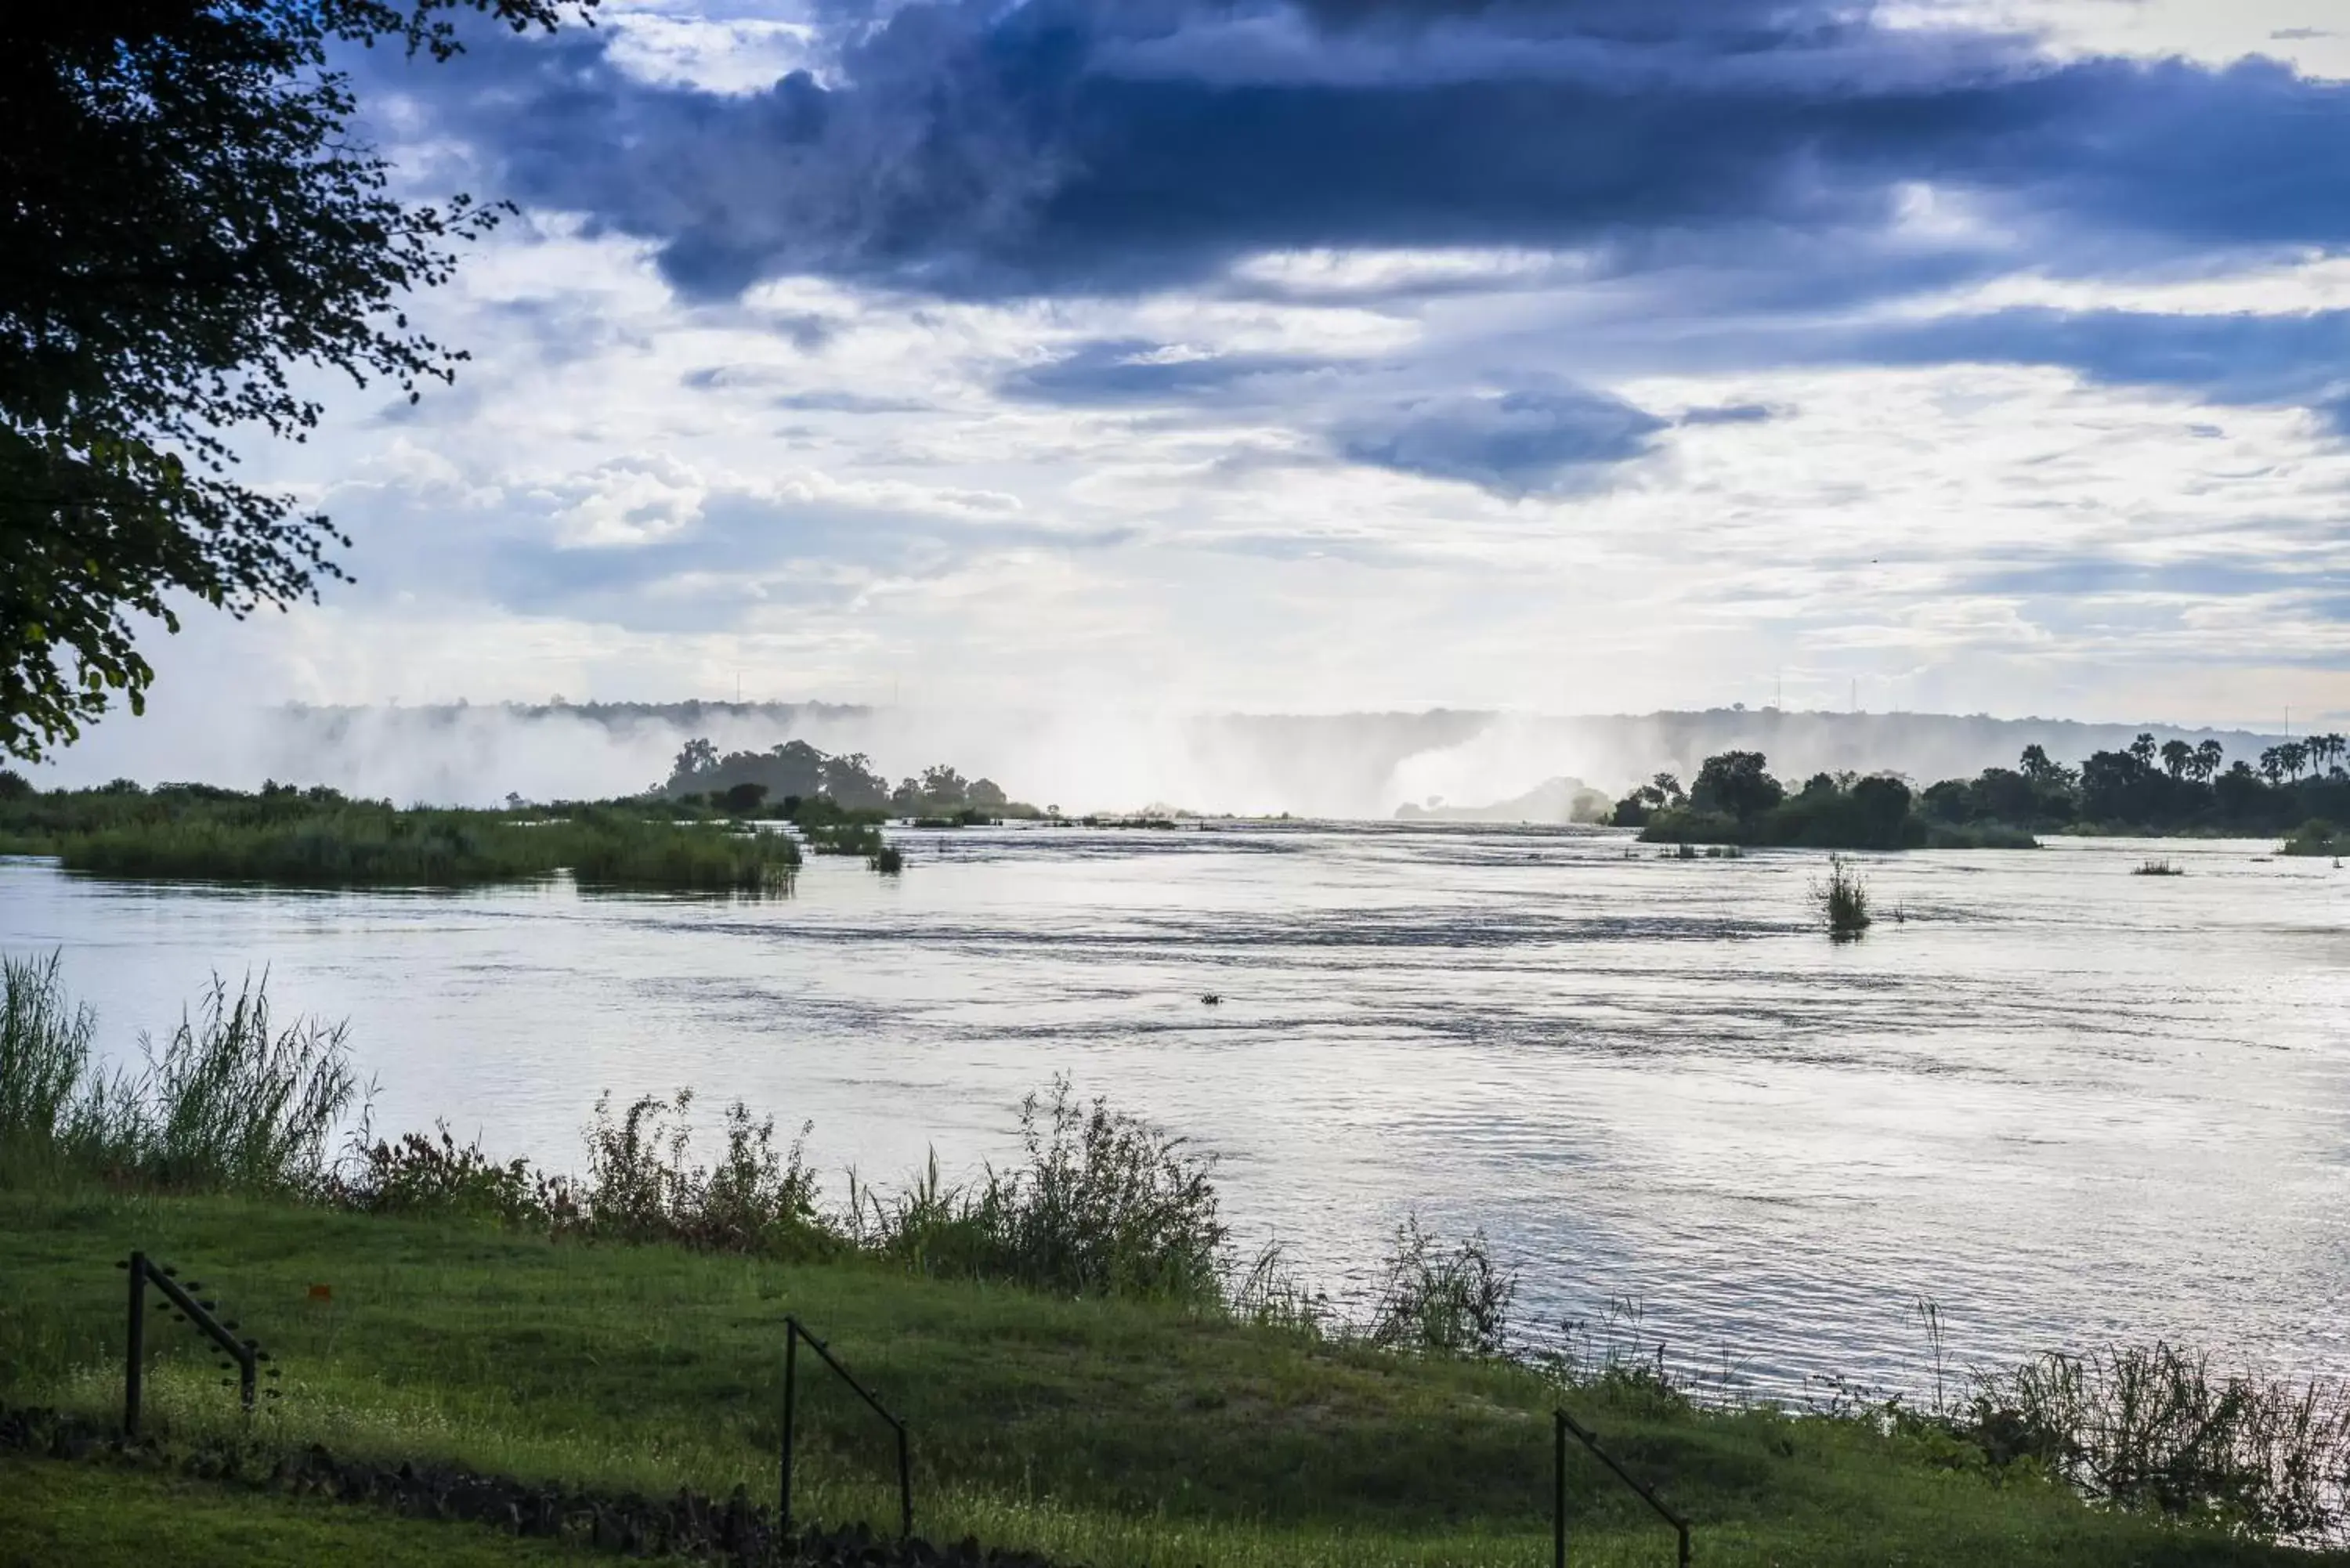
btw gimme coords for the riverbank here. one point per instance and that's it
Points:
(1108, 1431)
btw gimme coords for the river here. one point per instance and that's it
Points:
(2064, 1103)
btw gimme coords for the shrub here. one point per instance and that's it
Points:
(1843, 899)
(1106, 1205)
(639, 1187)
(1271, 1293)
(2315, 837)
(419, 1174)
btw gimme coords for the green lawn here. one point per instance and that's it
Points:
(1116, 1433)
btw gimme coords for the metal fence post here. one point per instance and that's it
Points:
(1565, 1424)
(1558, 1493)
(905, 1489)
(791, 1379)
(134, 1356)
(793, 1332)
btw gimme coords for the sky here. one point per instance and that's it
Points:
(1564, 356)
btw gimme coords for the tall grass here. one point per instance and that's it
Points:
(229, 1103)
(46, 1082)
(1842, 900)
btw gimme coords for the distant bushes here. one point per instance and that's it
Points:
(2317, 836)
(2168, 788)
(796, 770)
(1736, 801)
(318, 837)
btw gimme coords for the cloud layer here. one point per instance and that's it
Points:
(1283, 354)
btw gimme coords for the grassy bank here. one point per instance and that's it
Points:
(1113, 1432)
(318, 837)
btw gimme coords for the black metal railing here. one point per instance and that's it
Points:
(1561, 1425)
(793, 1333)
(244, 1354)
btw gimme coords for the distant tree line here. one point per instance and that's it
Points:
(798, 779)
(2147, 788)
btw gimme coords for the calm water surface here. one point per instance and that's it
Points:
(2065, 1103)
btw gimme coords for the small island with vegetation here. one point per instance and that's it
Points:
(2299, 787)
(713, 826)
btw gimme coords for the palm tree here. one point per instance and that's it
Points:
(2272, 764)
(2325, 750)
(2143, 750)
(2294, 756)
(2176, 757)
(2207, 759)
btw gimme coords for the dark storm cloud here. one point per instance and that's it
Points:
(1534, 441)
(1057, 147)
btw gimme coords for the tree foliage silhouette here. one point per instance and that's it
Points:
(186, 222)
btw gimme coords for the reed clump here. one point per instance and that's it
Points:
(2159, 867)
(1842, 900)
(1441, 1301)
(230, 1102)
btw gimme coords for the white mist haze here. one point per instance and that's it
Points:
(1346, 765)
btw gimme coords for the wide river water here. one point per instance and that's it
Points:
(2066, 1103)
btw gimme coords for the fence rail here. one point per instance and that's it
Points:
(1562, 1426)
(795, 1332)
(246, 1353)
